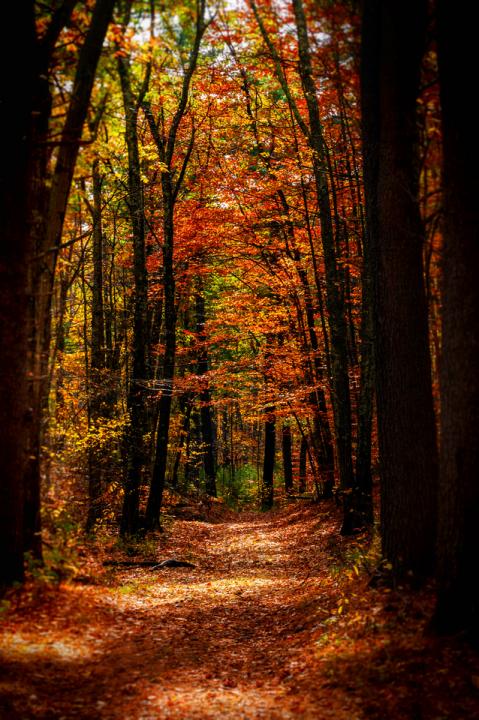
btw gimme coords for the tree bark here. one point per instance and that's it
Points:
(334, 299)
(303, 452)
(47, 212)
(97, 394)
(207, 427)
(406, 428)
(138, 424)
(313, 132)
(166, 145)
(155, 497)
(267, 488)
(16, 249)
(458, 581)
(287, 446)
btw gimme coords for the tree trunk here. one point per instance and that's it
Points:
(362, 510)
(267, 489)
(186, 406)
(207, 428)
(287, 445)
(155, 498)
(170, 188)
(48, 206)
(322, 433)
(138, 425)
(97, 395)
(407, 443)
(16, 249)
(303, 452)
(458, 602)
(334, 299)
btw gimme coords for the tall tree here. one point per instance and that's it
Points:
(206, 415)
(303, 451)
(97, 362)
(134, 449)
(286, 446)
(267, 480)
(166, 143)
(31, 244)
(458, 604)
(267, 487)
(313, 132)
(48, 197)
(17, 91)
(408, 456)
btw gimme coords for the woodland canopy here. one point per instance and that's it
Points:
(239, 249)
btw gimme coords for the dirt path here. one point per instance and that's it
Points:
(252, 632)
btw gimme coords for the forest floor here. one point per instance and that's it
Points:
(277, 620)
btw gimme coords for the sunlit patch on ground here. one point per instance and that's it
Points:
(18, 646)
(214, 702)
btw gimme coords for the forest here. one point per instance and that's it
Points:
(239, 360)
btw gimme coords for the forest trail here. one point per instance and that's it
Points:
(268, 625)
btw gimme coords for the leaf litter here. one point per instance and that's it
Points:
(277, 620)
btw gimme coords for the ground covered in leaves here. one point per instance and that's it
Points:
(277, 620)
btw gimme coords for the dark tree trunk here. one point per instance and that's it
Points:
(97, 395)
(267, 489)
(287, 447)
(166, 145)
(303, 453)
(134, 437)
(155, 498)
(207, 428)
(334, 299)
(97, 321)
(225, 442)
(362, 510)
(16, 249)
(359, 505)
(322, 433)
(47, 211)
(186, 406)
(458, 602)
(407, 443)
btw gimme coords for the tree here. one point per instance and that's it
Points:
(97, 394)
(267, 487)
(390, 81)
(458, 601)
(340, 334)
(165, 140)
(269, 412)
(286, 446)
(334, 299)
(303, 451)
(36, 235)
(48, 197)
(17, 92)
(207, 427)
(138, 424)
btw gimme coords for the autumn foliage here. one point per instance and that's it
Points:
(237, 280)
